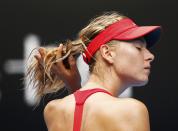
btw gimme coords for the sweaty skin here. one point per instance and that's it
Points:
(103, 112)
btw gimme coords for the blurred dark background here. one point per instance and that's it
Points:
(57, 20)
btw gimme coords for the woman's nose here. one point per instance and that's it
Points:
(149, 56)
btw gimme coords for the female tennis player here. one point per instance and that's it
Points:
(117, 52)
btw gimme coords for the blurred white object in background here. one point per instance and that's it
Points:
(31, 42)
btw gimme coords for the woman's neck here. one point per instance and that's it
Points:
(111, 85)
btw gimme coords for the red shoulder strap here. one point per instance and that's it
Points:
(80, 98)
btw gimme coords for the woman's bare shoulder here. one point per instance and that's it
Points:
(57, 104)
(52, 109)
(52, 105)
(126, 114)
(128, 107)
(134, 114)
(54, 113)
(126, 103)
(51, 114)
(122, 105)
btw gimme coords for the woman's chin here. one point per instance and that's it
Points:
(142, 82)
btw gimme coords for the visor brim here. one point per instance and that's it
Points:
(150, 33)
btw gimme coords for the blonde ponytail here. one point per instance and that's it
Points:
(40, 75)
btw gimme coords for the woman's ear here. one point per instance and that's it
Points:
(107, 53)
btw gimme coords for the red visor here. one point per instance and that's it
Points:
(123, 30)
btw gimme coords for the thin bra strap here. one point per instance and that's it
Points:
(80, 98)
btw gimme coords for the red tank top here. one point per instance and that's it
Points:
(80, 98)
